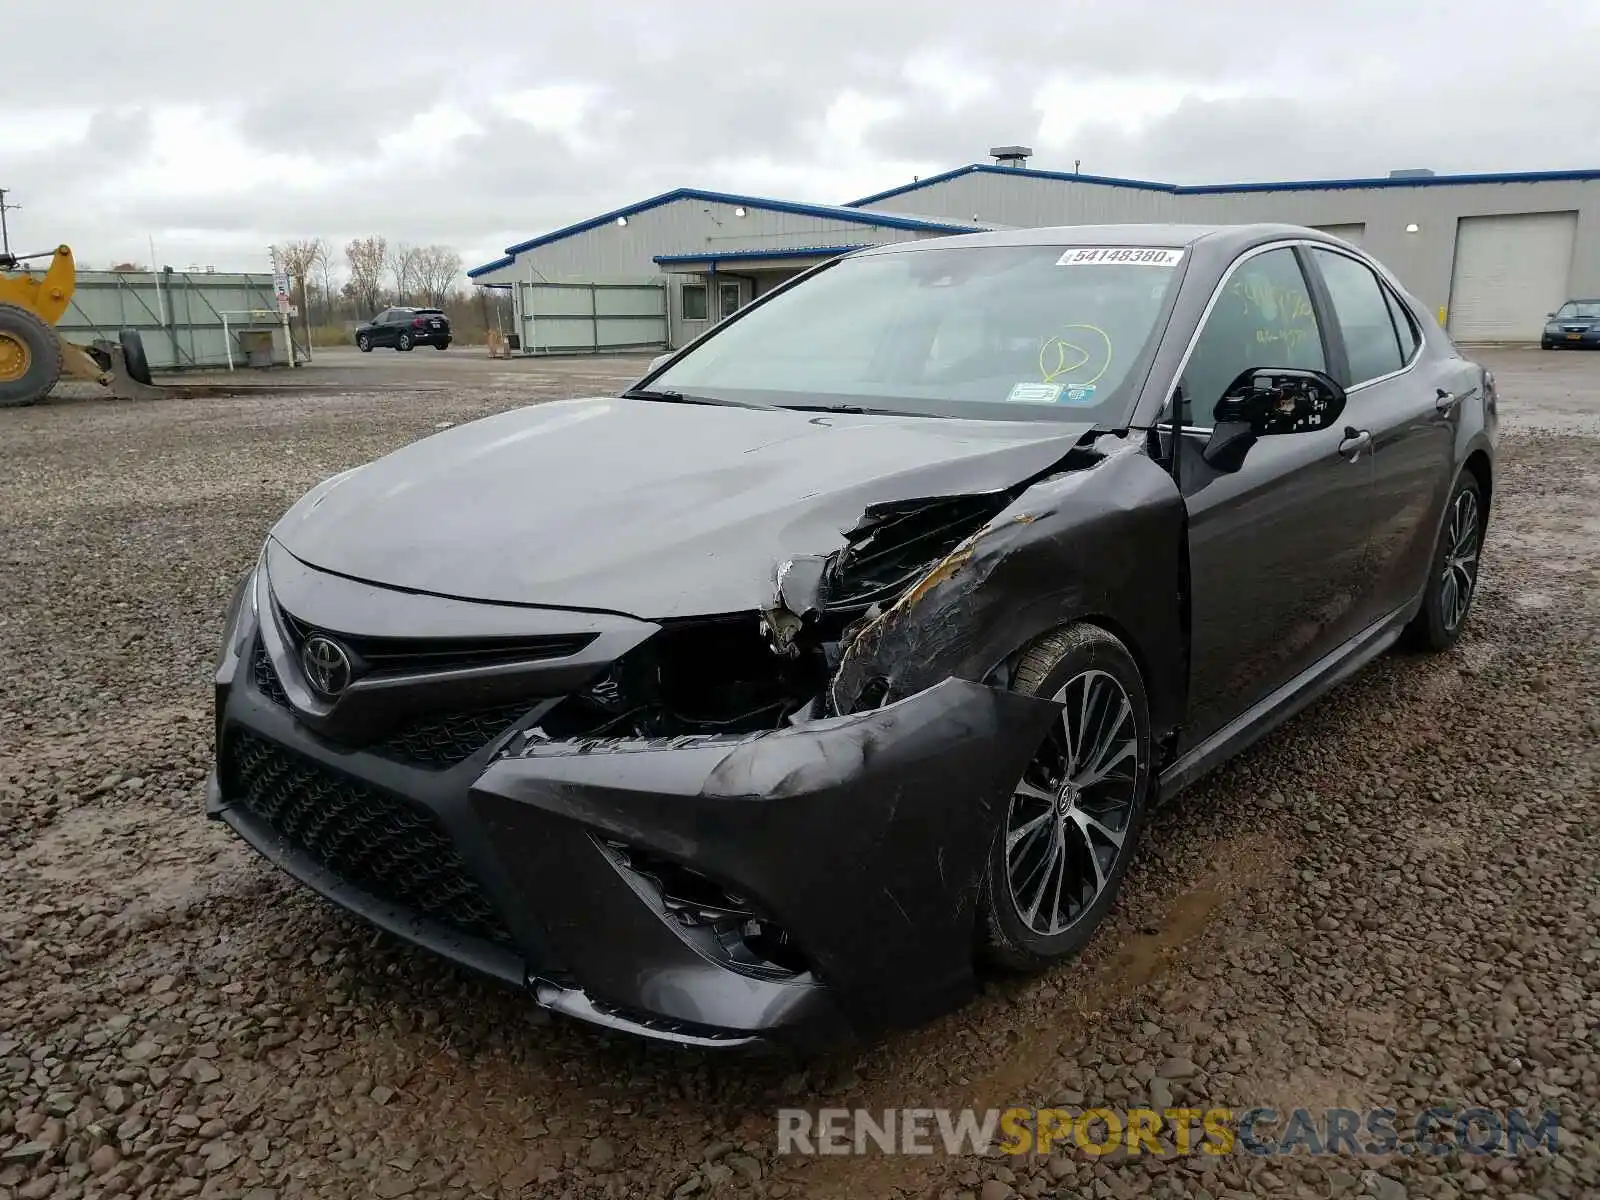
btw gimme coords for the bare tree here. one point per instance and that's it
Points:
(367, 258)
(403, 265)
(437, 269)
(327, 285)
(300, 259)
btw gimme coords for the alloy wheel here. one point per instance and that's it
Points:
(1460, 573)
(1073, 808)
(15, 358)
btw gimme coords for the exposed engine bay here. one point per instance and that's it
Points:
(751, 673)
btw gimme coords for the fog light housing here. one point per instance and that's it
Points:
(720, 922)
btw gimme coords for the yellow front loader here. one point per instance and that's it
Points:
(33, 355)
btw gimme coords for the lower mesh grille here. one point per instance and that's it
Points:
(386, 846)
(454, 737)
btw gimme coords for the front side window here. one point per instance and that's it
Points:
(694, 302)
(1262, 318)
(1364, 318)
(1008, 332)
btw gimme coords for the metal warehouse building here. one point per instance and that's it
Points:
(662, 271)
(1492, 254)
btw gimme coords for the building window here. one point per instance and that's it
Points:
(727, 300)
(694, 302)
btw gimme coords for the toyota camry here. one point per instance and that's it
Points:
(846, 654)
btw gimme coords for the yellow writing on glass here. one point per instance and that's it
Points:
(1060, 356)
(1284, 315)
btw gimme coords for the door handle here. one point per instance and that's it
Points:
(1444, 401)
(1355, 441)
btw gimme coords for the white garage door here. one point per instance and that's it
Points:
(1350, 233)
(1510, 271)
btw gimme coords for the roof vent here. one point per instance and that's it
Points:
(1412, 173)
(1011, 156)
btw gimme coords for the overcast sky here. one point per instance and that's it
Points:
(216, 128)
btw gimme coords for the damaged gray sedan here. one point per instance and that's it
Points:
(851, 649)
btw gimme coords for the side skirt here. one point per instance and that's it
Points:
(1273, 710)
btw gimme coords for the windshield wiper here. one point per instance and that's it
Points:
(669, 396)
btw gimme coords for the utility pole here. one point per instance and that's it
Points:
(5, 234)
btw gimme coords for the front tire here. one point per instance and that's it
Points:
(30, 357)
(363, 343)
(403, 342)
(1066, 834)
(1453, 571)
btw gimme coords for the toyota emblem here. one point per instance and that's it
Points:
(326, 665)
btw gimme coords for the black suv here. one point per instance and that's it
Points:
(404, 328)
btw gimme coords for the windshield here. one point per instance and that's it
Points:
(1017, 332)
(1587, 309)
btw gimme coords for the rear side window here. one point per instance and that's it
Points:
(1364, 316)
(1262, 318)
(1405, 325)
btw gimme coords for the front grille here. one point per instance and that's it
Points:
(388, 847)
(266, 678)
(401, 656)
(439, 740)
(449, 739)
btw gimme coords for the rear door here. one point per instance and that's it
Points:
(1410, 402)
(1276, 549)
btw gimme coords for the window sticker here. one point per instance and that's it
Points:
(1121, 256)
(1078, 393)
(1034, 393)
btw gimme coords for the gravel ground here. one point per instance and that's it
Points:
(1393, 903)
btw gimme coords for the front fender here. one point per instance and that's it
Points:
(1103, 542)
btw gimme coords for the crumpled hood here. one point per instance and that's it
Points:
(651, 509)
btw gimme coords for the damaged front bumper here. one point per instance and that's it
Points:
(857, 840)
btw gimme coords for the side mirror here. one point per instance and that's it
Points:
(1266, 402)
(657, 363)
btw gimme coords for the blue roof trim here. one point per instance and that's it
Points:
(505, 261)
(784, 252)
(834, 211)
(1293, 185)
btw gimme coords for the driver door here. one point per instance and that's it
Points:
(1277, 549)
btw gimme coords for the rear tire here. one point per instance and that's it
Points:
(444, 345)
(1064, 839)
(133, 355)
(403, 342)
(1452, 572)
(30, 357)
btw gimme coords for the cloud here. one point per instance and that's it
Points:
(215, 130)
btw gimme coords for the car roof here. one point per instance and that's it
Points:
(1221, 238)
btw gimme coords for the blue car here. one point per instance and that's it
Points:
(1575, 324)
